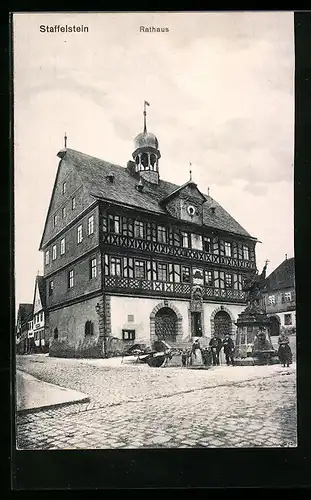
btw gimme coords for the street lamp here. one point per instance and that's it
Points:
(102, 317)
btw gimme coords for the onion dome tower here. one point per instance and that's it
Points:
(147, 154)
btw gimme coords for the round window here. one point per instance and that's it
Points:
(191, 210)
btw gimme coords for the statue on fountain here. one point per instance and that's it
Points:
(253, 285)
(253, 336)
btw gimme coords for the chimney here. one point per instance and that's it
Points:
(131, 168)
(286, 256)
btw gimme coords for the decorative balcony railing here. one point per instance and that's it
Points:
(164, 248)
(133, 285)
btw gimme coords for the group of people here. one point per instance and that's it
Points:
(210, 355)
(216, 344)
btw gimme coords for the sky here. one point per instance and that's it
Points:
(221, 94)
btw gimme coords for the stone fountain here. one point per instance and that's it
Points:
(253, 341)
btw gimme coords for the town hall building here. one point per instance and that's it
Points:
(130, 256)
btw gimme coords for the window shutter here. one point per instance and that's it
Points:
(177, 273)
(234, 250)
(240, 280)
(222, 279)
(130, 267)
(170, 272)
(125, 267)
(105, 223)
(170, 236)
(215, 246)
(130, 228)
(235, 282)
(176, 241)
(148, 231)
(252, 253)
(154, 270)
(106, 265)
(216, 279)
(221, 247)
(240, 251)
(154, 231)
(124, 226)
(149, 271)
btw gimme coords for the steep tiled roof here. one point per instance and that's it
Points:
(282, 277)
(25, 312)
(93, 173)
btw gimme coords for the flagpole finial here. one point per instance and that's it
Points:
(146, 103)
(65, 140)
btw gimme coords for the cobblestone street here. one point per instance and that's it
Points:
(140, 407)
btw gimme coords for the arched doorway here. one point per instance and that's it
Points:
(166, 324)
(222, 323)
(274, 326)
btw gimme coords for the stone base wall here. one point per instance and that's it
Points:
(70, 323)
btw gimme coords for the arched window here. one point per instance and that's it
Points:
(89, 328)
(153, 160)
(144, 161)
(55, 333)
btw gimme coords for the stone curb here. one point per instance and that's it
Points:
(79, 397)
(38, 409)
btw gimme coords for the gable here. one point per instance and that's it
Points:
(186, 203)
(61, 203)
(37, 304)
(282, 277)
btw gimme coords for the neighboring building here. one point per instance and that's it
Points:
(30, 337)
(279, 297)
(129, 255)
(24, 316)
(40, 331)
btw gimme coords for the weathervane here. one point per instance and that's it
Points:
(146, 103)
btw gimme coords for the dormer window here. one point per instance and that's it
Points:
(110, 177)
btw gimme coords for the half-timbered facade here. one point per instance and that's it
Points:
(131, 256)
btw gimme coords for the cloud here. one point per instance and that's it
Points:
(220, 87)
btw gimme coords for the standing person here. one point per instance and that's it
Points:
(197, 354)
(184, 357)
(215, 345)
(284, 352)
(229, 349)
(195, 347)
